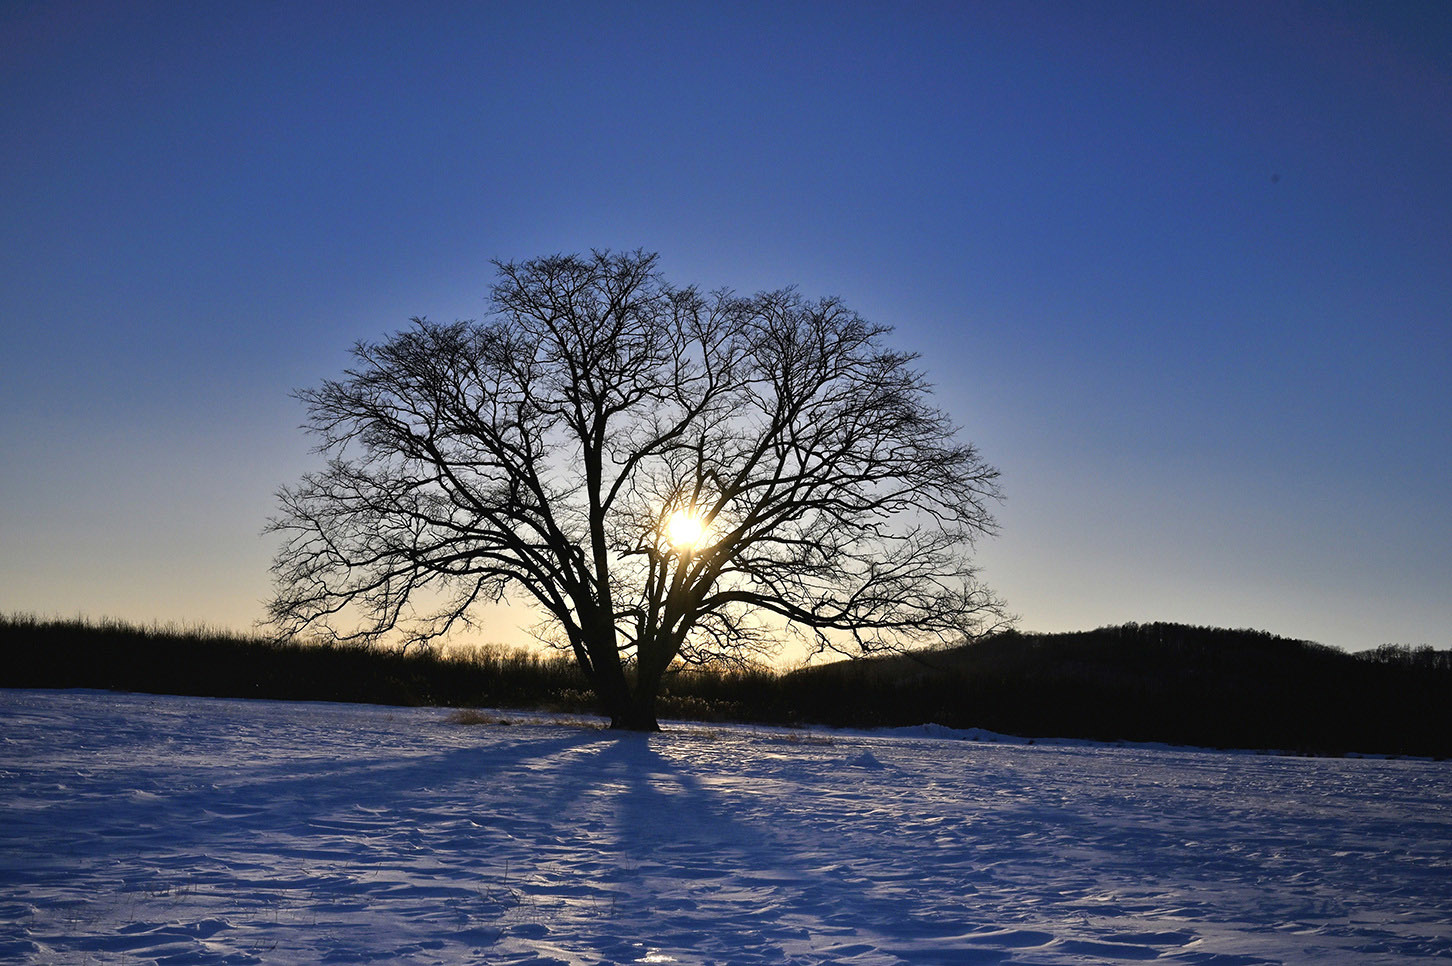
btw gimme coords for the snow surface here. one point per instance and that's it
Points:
(141, 829)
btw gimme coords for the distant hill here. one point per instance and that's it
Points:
(1153, 682)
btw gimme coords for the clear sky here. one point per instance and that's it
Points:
(1182, 270)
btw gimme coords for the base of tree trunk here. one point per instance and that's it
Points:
(634, 721)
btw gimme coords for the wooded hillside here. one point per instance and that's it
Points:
(1137, 682)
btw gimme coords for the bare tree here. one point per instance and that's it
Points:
(670, 476)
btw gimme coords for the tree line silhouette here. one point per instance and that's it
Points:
(1136, 682)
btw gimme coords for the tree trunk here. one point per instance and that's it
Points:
(628, 709)
(637, 715)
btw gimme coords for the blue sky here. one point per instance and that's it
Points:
(1183, 271)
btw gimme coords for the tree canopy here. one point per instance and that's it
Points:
(670, 475)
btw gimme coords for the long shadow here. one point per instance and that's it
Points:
(347, 816)
(716, 885)
(419, 837)
(626, 849)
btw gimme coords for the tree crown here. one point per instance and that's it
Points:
(667, 474)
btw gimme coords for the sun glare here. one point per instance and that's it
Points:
(685, 531)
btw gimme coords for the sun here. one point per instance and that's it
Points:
(686, 531)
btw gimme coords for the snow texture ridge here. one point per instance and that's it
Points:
(145, 829)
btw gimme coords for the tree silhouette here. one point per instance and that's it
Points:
(670, 476)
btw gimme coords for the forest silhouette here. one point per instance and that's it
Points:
(1154, 682)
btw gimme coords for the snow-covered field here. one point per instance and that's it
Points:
(139, 829)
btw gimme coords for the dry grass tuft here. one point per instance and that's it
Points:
(473, 716)
(800, 738)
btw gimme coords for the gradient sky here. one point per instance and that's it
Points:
(1183, 271)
